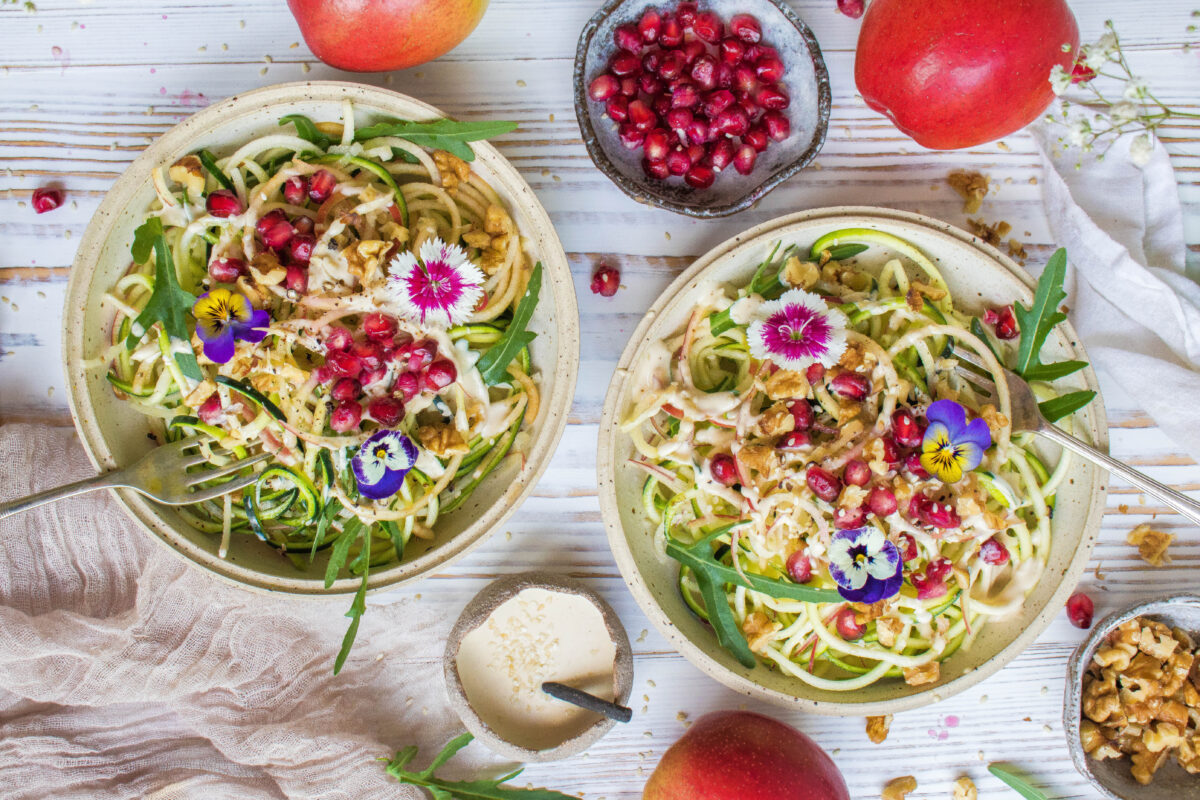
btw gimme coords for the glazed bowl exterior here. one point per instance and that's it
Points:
(115, 435)
(978, 276)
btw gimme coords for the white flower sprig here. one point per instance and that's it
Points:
(1104, 115)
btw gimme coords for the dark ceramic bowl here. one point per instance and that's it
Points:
(805, 79)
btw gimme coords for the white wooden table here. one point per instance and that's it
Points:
(86, 84)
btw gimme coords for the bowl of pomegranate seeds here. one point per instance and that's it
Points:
(810, 485)
(700, 107)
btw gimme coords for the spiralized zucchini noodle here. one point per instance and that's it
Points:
(728, 440)
(342, 358)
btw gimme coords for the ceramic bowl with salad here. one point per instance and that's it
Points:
(805, 495)
(345, 279)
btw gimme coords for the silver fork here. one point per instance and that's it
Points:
(162, 475)
(1026, 416)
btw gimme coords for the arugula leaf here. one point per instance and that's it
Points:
(1017, 783)
(493, 365)
(981, 334)
(209, 161)
(843, 251)
(440, 134)
(481, 789)
(711, 578)
(359, 606)
(307, 131)
(332, 508)
(169, 303)
(1038, 320)
(1050, 372)
(341, 549)
(1065, 405)
(763, 283)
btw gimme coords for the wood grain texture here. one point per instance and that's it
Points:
(85, 86)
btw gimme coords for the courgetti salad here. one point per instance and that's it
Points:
(354, 301)
(844, 507)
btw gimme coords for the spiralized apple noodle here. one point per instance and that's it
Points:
(698, 394)
(389, 196)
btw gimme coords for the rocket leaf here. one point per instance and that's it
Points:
(169, 303)
(1017, 783)
(442, 789)
(440, 134)
(493, 365)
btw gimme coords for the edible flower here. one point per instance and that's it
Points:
(865, 565)
(381, 463)
(797, 331)
(438, 286)
(223, 316)
(952, 446)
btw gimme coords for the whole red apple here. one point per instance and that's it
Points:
(740, 755)
(957, 73)
(381, 35)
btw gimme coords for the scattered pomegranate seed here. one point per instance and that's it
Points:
(370, 376)
(640, 116)
(387, 411)
(708, 26)
(224, 203)
(277, 235)
(685, 95)
(678, 120)
(856, 472)
(732, 51)
(345, 390)
(881, 501)
(700, 177)
(618, 108)
(743, 160)
(628, 38)
(671, 34)
(891, 451)
(794, 440)
(746, 28)
(772, 97)
(650, 25)
(46, 200)
(625, 63)
(720, 155)
(815, 373)
(848, 626)
(300, 248)
(994, 552)
(346, 365)
(912, 463)
(379, 326)
(338, 339)
(606, 280)
(655, 169)
(932, 513)
(744, 79)
(421, 354)
(686, 14)
(296, 279)
(852, 8)
(823, 483)
(704, 72)
(905, 428)
(604, 87)
(408, 385)
(799, 567)
(295, 190)
(210, 410)
(656, 145)
(631, 137)
(723, 470)
(732, 121)
(1004, 321)
(778, 126)
(346, 417)
(845, 519)
(769, 69)
(629, 86)
(672, 65)
(716, 102)
(931, 582)
(908, 547)
(441, 373)
(678, 161)
(651, 85)
(1080, 610)
(370, 353)
(802, 413)
(321, 185)
(850, 385)
(757, 138)
(226, 270)
(302, 225)
(692, 50)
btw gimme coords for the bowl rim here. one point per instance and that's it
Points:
(633, 188)
(610, 513)
(177, 139)
(1078, 664)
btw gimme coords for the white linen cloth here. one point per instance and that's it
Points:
(1136, 311)
(126, 673)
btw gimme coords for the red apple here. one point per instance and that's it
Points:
(740, 755)
(957, 73)
(382, 35)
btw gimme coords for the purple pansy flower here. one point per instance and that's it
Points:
(797, 330)
(223, 316)
(441, 287)
(381, 463)
(865, 566)
(952, 446)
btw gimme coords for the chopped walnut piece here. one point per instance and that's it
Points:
(888, 628)
(442, 440)
(1151, 544)
(202, 392)
(366, 257)
(477, 239)
(996, 422)
(1016, 250)
(801, 274)
(777, 420)
(188, 173)
(452, 169)
(964, 789)
(972, 186)
(496, 220)
(787, 384)
(758, 629)
(992, 234)
(878, 727)
(759, 457)
(926, 673)
(266, 269)
(1145, 764)
(898, 788)
(933, 293)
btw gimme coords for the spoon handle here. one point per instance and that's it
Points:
(580, 698)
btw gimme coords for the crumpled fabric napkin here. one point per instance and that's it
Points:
(1135, 309)
(126, 673)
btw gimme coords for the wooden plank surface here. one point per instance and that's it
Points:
(84, 86)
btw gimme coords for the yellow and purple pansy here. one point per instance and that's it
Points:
(222, 317)
(865, 566)
(952, 446)
(381, 463)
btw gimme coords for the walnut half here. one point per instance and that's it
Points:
(964, 789)
(878, 727)
(899, 788)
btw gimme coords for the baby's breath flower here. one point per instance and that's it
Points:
(1141, 148)
(1060, 79)
(1123, 112)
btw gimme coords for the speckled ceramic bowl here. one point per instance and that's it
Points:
(115, 435)
(978, 276)
(476, 613)
(806, 80)
(1112, 778)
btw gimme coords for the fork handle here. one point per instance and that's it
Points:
(1181, 503)
(102, 481)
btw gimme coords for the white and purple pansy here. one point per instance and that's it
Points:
(382, 462)
(865, 566)
(797, 331)
(438, 285)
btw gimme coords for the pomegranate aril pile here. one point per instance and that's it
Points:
(693, 93)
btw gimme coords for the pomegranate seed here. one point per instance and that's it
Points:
(210, 410)
(850, 385)
(823, 483)
(421, 354)
(46, 200)
(700, 176)
(346, 365)
(724, 75)
(321, 185)
(723, 470)
(678, 119)
(631, 136)
(692, 50)
(603, 87)
(732, 122)
(912, 463)
(618, 108)
(848, 518)
(697, 153)
(650, 25)
(295, 190)
(440, 374)
(222, 203)
(606, 280)
(743, 161)
(769, 69)
(650, 84)
(686, 14)
(277, 235)
(746, 28)
(704, 71)
(721, 155)
(387, 411)
(772, 97)
(931, 513)
(656, 145)
(802, 413)
(882, 501)
(323, 374)
(672, 65)
(779, 127)
(628, 38)
(717, 101)
(629, 86)
(1082, 73)
(1006, 323)
(379, 326)
(672, 33)
(640, 116)
(226, 270)
(699, 132)
(905, 428)
(744, 79)
(756, 137)
(625, 63)
(799, 567)
(748, 105)
(370, 376)
(345, 390)
(678, 162)
(931, 582)
(1080, 610)
(856, 472)
(757, 50)
(685, 95)
(908, 547)
(408, 385)
(891, 451)
(300, 248)
(370, 353)
(346, 417)
(994, 552)
(708, 26)
(732, 51)
(661, 105)
(794, 441)
(296, 279)
(815, 373)
(656, 169)
(848, 626)
(651, 60)
(338, 339)
(302, 225)
(851, 8)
